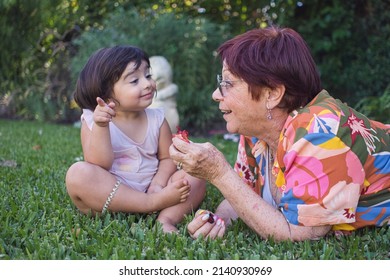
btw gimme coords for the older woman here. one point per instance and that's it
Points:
(307, 163)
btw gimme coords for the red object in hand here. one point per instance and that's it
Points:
(211, 218)
(182, 134)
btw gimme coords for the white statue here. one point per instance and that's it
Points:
(166, 90)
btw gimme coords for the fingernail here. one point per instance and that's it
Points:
(206, 217)
(200, 212)
(219, 221)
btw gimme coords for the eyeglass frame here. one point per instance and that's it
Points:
(224, 83)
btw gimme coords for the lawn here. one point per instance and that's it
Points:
(39, 222)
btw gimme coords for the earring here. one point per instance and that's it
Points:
(269, 116)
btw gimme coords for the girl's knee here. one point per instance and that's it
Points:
(200, 184)
(77, 174)
(82, 171)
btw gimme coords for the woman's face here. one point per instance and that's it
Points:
(242, 114)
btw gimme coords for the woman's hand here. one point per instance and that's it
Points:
(202, 160)
(206, 224)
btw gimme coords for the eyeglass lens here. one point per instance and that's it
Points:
(219, 81)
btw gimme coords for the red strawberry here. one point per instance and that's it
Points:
(182, 134)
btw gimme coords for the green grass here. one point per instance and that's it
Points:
(39, 222)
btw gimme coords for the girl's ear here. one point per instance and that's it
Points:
(275, 96)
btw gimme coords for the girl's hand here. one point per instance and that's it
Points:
(206, 224)
(103, 113)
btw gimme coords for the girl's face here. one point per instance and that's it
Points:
(242, 114)
(135, 89)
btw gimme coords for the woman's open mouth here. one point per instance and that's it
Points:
(226, 112)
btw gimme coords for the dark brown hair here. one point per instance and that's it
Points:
(102, 70)
(274, 56)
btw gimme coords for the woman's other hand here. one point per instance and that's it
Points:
(206, 224)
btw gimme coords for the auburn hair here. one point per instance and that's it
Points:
(270, 57)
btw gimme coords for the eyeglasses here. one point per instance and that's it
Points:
(223, 84)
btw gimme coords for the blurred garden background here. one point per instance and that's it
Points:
(44, 44)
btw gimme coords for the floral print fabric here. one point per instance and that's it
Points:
(332, 166)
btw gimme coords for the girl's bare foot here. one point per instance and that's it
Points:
(175, 192)
(168, 227)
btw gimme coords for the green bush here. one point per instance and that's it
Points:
(349, 39)
(188, 44)
(350, 43)
(376, 107)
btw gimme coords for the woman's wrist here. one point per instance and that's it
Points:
(221, 175)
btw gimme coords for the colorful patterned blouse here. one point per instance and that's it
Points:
(332, 166)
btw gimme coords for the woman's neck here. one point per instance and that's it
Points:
(274, 128)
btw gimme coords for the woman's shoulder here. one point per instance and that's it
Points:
(321, 115)
(327, 118)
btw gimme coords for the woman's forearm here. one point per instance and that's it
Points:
(252, 209)
(259, 215)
